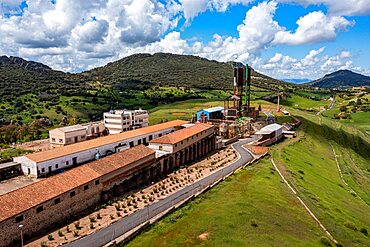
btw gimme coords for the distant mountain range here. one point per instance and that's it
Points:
(341, 79)
(297, 81)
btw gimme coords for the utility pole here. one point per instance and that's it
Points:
(278, 104)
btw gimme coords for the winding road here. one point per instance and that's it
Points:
(151, 211)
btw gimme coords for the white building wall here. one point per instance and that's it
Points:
(279, 132)
(83, 156)
(28, 166)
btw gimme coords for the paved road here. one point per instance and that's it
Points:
(126, 224)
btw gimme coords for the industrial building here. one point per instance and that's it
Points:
(47, 162)
(43, 205)
(208, 114)
(117, 121)
(185, 145)
(55, 200)
(76, 133)
(270, 134)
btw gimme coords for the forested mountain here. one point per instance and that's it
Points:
(167, 69)
(340, 79)
(18, 76)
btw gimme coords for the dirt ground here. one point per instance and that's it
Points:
(16, 183)
(126, 205)
(36, 146)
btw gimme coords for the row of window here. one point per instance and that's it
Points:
(39, 209)
(74, 160)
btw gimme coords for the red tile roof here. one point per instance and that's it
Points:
(101, 141)
(20, 200)
(180, 135)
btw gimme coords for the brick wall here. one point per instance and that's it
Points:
(34, 224)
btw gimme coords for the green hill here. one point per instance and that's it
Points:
(165, 69)
(340, 79)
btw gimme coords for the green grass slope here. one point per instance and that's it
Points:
(252, 208)
(308, 162)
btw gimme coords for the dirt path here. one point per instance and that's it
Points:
(303, 204)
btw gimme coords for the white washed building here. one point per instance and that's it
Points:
(117, 121)
(42, 163)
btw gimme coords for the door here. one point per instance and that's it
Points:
(49, 169)
(74, 160)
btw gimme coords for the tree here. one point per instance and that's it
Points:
(73, 120)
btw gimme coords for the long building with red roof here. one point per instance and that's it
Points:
(46, 162)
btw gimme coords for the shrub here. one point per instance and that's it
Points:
(75, 233)
(92, 226)
(254, 223)
(50, 237)
(77, 225)
(118, 207)
(325, 241)
(92, 218)
(118, 214)
(350, 225)
(111, 217)
(60, 233)
(98, 216)
(301, 172)
(364, 231)
(68, 230)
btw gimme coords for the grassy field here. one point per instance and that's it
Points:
(180, 110)
(302, 103)
(252, 208)
(309, 163)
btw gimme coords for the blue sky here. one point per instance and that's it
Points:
(280, 38)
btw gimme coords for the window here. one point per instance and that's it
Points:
(86, 187)
(56, 201)
(97, 182)
(150, 137)
(160, 147)
(138, 142)
(39, 209)
(131, 144)
(19, 218)
(42, 169)
(83, 137)
(72, 194)
(182, 142)
(56, 166)
(67, 163)
(175, 145)
(160, 135)
(53, 139)
(60, 140)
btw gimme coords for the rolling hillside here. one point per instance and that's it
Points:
(165, 69)
(340, 79)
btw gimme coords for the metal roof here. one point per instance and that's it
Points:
(213, 109)
(70, 128)
(269, 129)
(8, 164)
